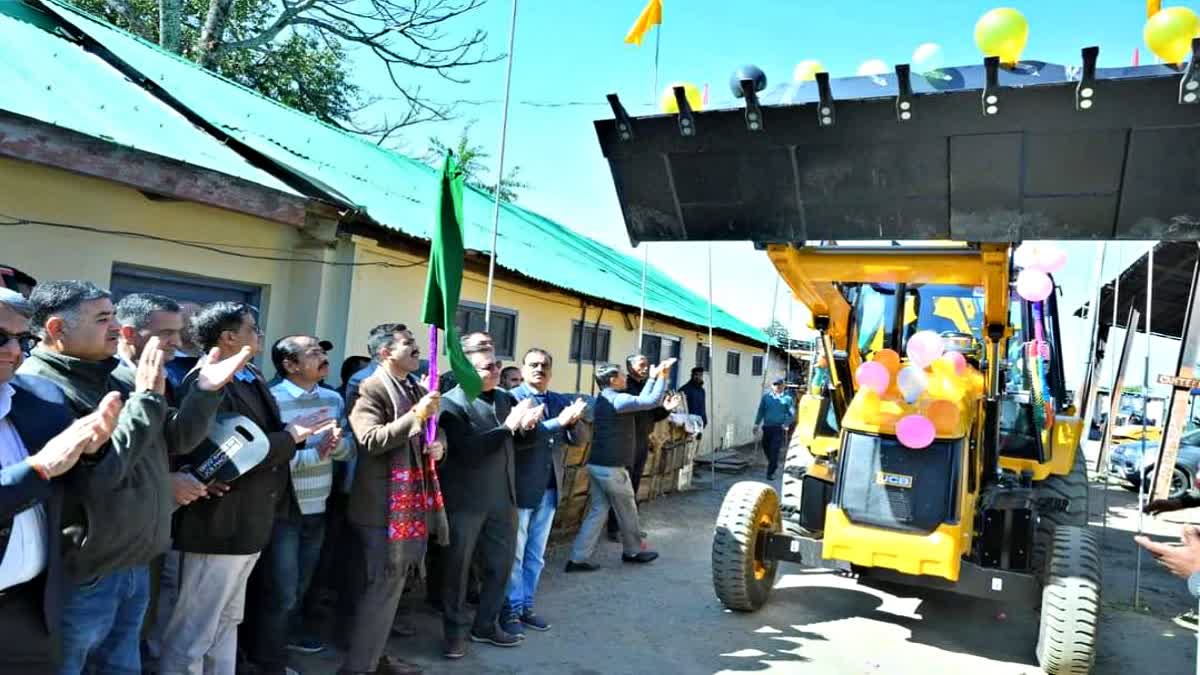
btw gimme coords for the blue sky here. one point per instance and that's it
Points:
(573, 52)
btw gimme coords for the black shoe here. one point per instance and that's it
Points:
(573, 566)
(454, 647)
(770, 477)
(643, 557)
(534, 621)
(510, 622)
(498, 638)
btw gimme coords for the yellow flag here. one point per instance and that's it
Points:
(650, 16)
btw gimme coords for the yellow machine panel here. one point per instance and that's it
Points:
(1063, 443)
(935, 554)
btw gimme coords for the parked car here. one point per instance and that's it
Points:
(1134, 461)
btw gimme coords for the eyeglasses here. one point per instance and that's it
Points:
(26, 341)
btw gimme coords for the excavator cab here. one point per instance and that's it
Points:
(892, 205)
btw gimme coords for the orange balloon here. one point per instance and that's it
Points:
(889, 358)
(944, 415)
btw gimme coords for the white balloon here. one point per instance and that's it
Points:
(873, 67)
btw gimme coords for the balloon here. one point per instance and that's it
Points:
(806, 71)
(1034, 285)
(865, 406)
(871, 375)
(747, 72)
(1169, 33)
(947, 386)
(670, 106)
(873, 67)
(944, 415)
(889, 359)
(928, 58)
(1046, 258)
(1025, 254)
(915, 432)
(925, 347)
(912, 383)
(958, 361)
(1002, 32)
(943, 367)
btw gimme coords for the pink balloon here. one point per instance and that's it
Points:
(959, 361)
(1025, 255)
(1034, 285)
(1050, 259)
(915, 431)
(872, 375)
(925, 347)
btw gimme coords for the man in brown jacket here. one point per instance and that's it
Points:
(396, 503)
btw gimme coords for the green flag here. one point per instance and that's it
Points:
(444, 283)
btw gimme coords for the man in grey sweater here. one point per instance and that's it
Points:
(614, 443)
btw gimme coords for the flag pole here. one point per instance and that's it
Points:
(491, 281)
(657, 44)
(712, 369)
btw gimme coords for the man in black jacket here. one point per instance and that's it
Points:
(477, 483)
(637, 372)
(38, 443)
(124, 499)
(220, 539)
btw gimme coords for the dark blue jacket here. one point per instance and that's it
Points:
(39, 413)
(541, 455)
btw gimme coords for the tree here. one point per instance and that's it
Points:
(782, 337)
(472, 162)
(296, 51)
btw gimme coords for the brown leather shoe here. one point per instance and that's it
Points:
(454, 647)
(389, 665)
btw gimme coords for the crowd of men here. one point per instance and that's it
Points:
(122, 553)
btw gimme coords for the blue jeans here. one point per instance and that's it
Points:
(533, 531)
(102, 623)
(290, 561)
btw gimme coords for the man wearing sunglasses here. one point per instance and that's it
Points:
(39, 442)
(124, 499)
(480, 495)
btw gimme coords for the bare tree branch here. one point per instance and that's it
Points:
(213, 31)
(127, 12)
(170, 25)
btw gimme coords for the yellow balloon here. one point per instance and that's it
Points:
(806, 71)
(670, 106)
(1169, 33)
(1002, 32)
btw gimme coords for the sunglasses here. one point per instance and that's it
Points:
(26, 341)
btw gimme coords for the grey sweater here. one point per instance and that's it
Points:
(614, 433)
(121, 497)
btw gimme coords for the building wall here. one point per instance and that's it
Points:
(544, 319)
(291, 292)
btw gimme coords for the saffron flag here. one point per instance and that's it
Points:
(651, 16)
(444, 283)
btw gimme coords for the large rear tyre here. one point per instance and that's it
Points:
(742, 579)
(795, 465)
(1070, 614)
(1072, 487)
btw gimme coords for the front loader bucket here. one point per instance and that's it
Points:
(1042, 152)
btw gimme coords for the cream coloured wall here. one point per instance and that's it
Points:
(291, 291)
(544, 319)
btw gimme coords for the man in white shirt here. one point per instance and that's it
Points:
(38, 443)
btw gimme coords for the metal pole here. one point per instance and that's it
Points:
(712, 363)
(1142, 486)
(1106, 434)
(657, 44)
(642, 314)
(1091, 380)
(512, 36)
(767, 358)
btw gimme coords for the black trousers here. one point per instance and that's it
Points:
(494, 535)
(772, 441)
(641, 454)
(25, 644)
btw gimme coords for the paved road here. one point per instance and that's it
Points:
(664, 618)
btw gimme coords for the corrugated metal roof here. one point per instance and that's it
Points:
(54, 80)
(396, 191)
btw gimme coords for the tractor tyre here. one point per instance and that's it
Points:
(1070, 612)
(795, 465)
(1072, 487)
(742, 579)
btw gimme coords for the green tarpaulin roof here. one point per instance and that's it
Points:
(395, 190)
(54, 80)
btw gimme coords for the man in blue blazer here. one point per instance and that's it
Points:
(38, 443)
(539, 460)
